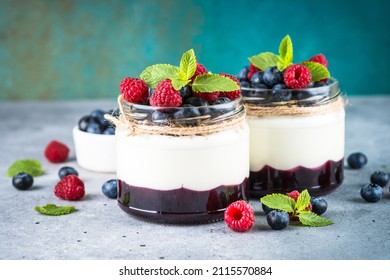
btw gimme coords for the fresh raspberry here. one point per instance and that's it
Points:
(297, 76)
(320, 58)
(70, 188)
(231, 94)
(252, 70)
(200, 70)
(56, 152)
(239, 216)
(134, 90)
(165, 95)
(209, 96)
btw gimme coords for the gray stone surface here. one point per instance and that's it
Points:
(100, 230)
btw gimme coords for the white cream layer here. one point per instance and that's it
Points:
(285, 142)
(192, 162)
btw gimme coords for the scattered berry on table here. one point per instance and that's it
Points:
(371, 192)
(56, 152)
(278, 219)
(380, 178)
(239, 216)
(22, 181)
(110, 188)
(134, 90)
(319, 205)
(70, 188)
(67, 170)
(297, 76)
(357, 160)
(165, 95)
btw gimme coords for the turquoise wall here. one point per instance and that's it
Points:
(82, 49)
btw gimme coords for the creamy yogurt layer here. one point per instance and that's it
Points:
(286, 142)
(197, 163)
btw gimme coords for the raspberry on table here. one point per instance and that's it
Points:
(239, 216)
(134, 90)
(232, 95)
(56, 152)
(70, 188)
(297, 76)
(165, 95)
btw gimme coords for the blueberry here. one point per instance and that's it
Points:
(150, 92)
(98, 113)
(187, 111)
(371, 192)
(22, 181)
(318, 84)
(110, 188)
(196, 101)
(114, 112)
(94, 127)
(278, 219)
(301, 95)
(257, 78)
(357, 160)
(220, 100)
(109, 131)
(185, 92)
(243, 74)
(245, 84)
(272, 76)
(280, 93)
(160, 117)
(226, 106)
(84, 122)
(67, 170)
(266, 209)
(380, 178)
(319, 205)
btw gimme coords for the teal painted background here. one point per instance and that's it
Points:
(82, 49)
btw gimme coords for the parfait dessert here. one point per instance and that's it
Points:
(182, 143)
(296, 116)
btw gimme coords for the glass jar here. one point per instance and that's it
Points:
(296, 139)
(182, 164)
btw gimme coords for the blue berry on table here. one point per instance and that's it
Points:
(319, 205)
(67, 170)
(380, 178)
(278, 219)
(357, 160)
(371, 192)
(22, 181)
(110, 188)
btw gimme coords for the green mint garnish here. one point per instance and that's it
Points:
(54, 210)
(285, 53)
(317, 70)
(187, 65)
(31, 166)
(296, 209)
(264, 60)
(154, 74)
(213, 82)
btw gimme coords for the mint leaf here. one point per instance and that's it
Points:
(318, 71)
(54, 210)
(308, 218)
(31, 166)
(188, 64)
(178, 83)
(212, 83)
(303, 201)
(264, 60)
(279, 201)
(154, 74)
(285, 52)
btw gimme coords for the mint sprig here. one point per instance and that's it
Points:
(212, 83)
(54, 210)
(317, 70)
(187, 65)
(296, 209)
(154, 74)
(31, 166)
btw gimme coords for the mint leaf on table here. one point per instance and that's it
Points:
(30, 166)
(264, 60)
(309, 218)
(212, 83)
(279, 202)
(187, 65)
(303, 201)
(317, 70)
(154, 74)
(54, 210)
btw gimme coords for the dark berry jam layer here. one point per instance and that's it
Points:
(318, 181)
(181, 205)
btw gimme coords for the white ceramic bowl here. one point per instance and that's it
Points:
(95, 152)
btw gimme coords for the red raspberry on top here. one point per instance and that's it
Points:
(320, 58)
(294, 195)
(239, 216)
(231, 94)
(134, 90)
(200, 70)
(208, 96)
(165, 95)
(56, 152)
(70, 188)
(297, 76)
(252, 70)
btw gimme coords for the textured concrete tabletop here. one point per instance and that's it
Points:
(100, 230)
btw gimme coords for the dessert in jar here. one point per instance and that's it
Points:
(296, 117)
(182, 143)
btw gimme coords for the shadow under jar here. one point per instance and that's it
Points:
(182, 164)
(297, 139)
